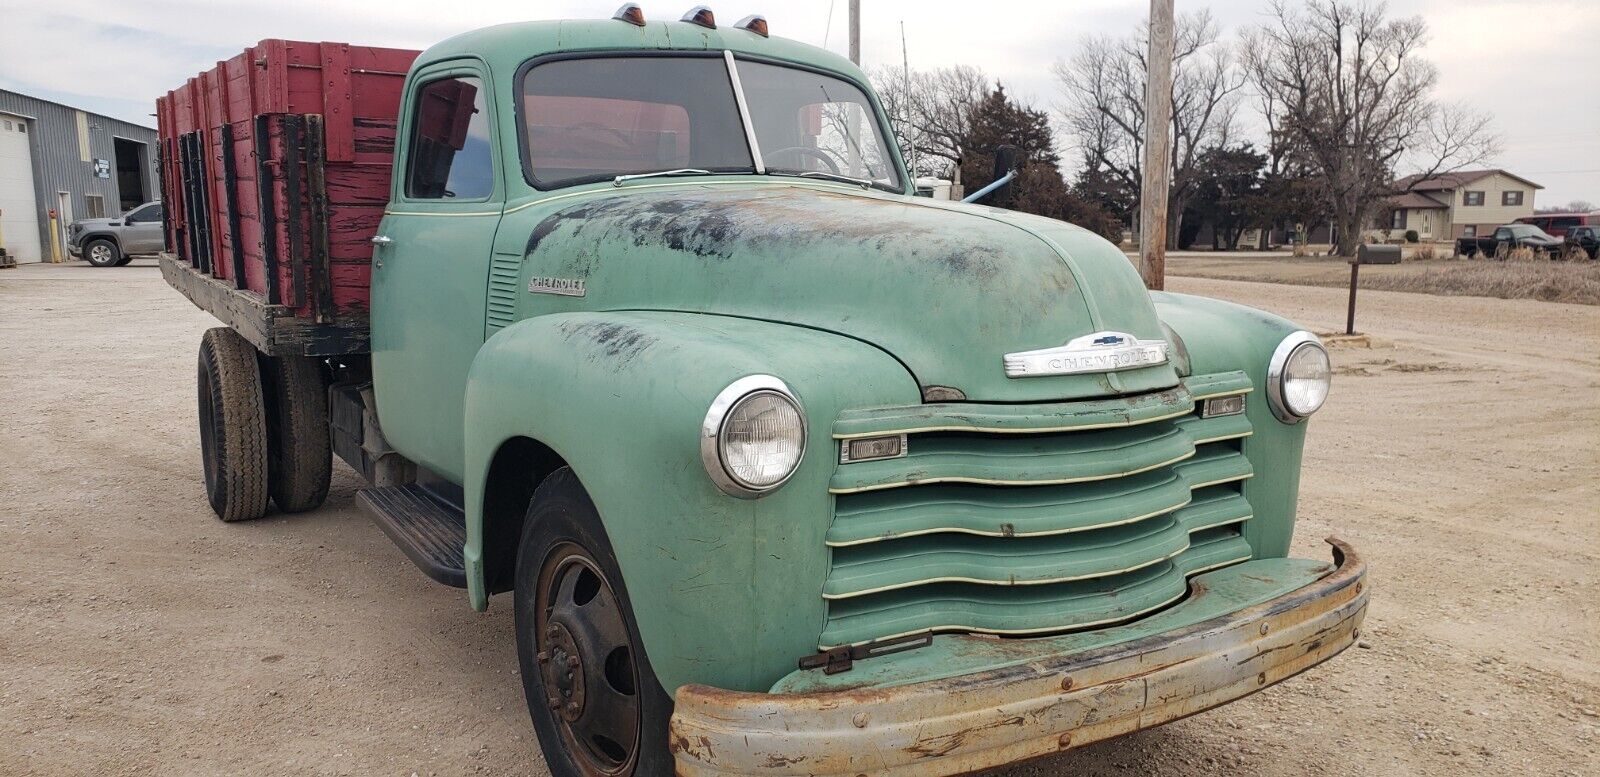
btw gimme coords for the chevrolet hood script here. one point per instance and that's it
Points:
(1099, 352)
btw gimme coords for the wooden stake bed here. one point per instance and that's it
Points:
(274, 330)
(275, 168)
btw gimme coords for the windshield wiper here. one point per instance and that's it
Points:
(861, 182)
(621, 179)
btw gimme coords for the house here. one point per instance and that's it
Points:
(58, 163)
(1466, 203)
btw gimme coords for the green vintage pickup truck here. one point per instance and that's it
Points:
(787, 471)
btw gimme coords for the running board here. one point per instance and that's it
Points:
(431, 533)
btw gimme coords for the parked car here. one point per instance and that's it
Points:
(1585, 239)
(114, 242)
(1505, 238)
(782, 469)
(1557, 224)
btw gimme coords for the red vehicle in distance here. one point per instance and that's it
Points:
(1557, 224)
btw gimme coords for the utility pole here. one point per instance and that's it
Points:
(855, 31)
(1157, 149)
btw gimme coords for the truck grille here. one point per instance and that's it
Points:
(1034, 519)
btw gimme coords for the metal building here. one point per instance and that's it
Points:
(56, 159)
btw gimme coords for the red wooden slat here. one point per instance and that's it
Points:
(338, 122)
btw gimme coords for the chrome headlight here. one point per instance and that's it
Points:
(754, 436)
(1298, 377)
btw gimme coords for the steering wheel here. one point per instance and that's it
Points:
(815, 153)
(598, 127)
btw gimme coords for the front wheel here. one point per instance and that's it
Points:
(102, 253)
(597, 706)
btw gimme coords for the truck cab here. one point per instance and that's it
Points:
(786, 469)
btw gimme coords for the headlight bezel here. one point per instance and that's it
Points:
(1277, 373)
(712, 428)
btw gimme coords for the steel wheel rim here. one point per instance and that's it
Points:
(587, 663)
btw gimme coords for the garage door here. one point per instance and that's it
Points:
(19, 215)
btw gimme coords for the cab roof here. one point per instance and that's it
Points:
(505, 47)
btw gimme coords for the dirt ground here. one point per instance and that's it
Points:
(1560, 281)
(139, 635)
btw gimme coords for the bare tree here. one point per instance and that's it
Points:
(1344, 88)
(932, 112)
(1104, 83)
(1573, 206)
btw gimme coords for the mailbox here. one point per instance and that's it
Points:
(1373, 253)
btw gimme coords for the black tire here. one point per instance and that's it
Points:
(299, 456)
(102, 252)
(562, 540)
(233, 426)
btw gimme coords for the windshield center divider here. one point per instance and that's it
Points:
(744, 113)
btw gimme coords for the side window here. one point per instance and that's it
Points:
(146, 215)
(450, 156)
(1502, 234)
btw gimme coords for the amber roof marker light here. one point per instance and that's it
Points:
(755, 23)
(702, 16)
(630, 13)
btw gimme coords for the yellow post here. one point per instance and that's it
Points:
(55, 239)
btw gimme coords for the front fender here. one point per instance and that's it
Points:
(115, 239)
(1222, 336)
(725, 590)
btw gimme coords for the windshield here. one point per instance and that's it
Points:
(1527, 230)
(600, 118)
(596, 118)
(807, 122)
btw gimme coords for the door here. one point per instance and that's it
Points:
(142, 230)
(19, 210)
(63, 220)
(431, 263)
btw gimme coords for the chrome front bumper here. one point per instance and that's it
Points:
(975, 721)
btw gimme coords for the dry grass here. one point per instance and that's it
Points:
(1521, 278)
(1424, 253)
(1521, 254)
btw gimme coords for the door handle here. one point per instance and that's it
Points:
(381, 240)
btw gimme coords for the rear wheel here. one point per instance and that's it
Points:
(101, 252)
(299, 459)
(597, 706)
(233, 426)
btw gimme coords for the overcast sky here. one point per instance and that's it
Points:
(1533, 63)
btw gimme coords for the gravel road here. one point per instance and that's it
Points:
(139, 635)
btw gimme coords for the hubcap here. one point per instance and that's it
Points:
(586, 663)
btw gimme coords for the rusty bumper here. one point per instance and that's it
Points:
(965, 723)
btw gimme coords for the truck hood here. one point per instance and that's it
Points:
(945, 288)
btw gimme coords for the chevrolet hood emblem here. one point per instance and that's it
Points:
(1099, 352)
